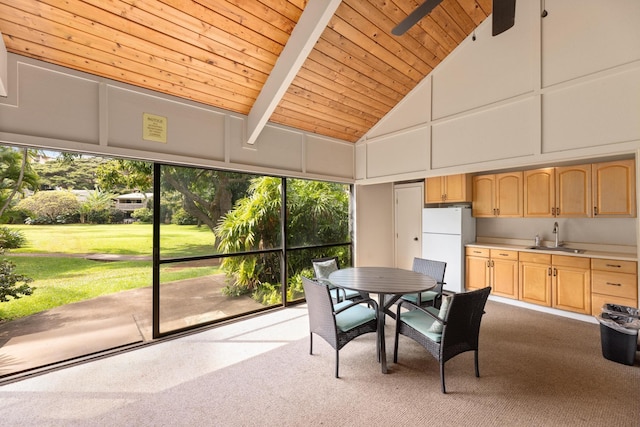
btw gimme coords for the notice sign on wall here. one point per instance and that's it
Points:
(154, 128)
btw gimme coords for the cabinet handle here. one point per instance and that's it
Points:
(477, 252)
(488, 264)
(503, 254)
(553, 211)
(549, 271)
(555, 272)
(557, 211)
(614, 265)
(614, 284)
(595, 210)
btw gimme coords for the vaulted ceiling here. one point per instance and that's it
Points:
(222, 52)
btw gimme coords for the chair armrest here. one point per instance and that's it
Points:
(366, 300)
(417, 307)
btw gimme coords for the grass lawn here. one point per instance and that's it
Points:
(61, 281)
(126, 239)
(64, 280)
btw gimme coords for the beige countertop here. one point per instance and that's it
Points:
(590, 251)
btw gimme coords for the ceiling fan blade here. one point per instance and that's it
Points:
(419, 13)
(504, 13)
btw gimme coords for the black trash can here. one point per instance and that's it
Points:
(619, 337)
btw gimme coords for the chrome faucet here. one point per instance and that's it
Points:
(556, 231)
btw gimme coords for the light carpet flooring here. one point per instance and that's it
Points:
(536, 369)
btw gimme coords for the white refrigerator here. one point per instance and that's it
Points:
(445, 232)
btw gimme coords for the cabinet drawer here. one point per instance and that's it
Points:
(536, 258)
(482, 252)
(598, 300)
(502, 254)
(571, 261)
(615, 284)
(613, 265)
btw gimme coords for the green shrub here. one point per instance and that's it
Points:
(267, 294)
(181, 217)
(12, 285)
(69, 218)
(116, 216)
(11, 239)
(98, 216)
(56, 206)
(143, 215)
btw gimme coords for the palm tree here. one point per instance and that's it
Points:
(15, 175)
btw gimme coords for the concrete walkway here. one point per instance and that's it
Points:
(110, 321)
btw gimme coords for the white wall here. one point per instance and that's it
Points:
(54, 107)
(560, 88)
(374, 225)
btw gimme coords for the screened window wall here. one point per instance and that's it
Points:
(236, 260)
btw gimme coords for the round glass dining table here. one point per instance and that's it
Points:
(389, 283)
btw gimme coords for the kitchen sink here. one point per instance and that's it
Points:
(557, 248)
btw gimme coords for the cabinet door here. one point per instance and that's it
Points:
(509, 194)
(539, 193)
(572, 289)
(457, 188)
(614, 185)
(483, 196)
(504, 280)
(433, 190)
(573, 191)
(476, 272)
(535, 283)
(599, 300)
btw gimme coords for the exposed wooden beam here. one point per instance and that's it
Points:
(314, 19)
(4, 84)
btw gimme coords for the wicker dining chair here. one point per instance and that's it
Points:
(434, 269)
(340, 323)
(322, 267)
(447, 332)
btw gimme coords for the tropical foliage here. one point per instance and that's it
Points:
(16, 175)
(317, 212)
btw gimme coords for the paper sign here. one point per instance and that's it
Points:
(154, 128)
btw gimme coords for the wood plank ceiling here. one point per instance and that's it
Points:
(220, 52)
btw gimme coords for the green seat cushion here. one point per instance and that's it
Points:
(422, 322)
(424, 297)
(353, 317)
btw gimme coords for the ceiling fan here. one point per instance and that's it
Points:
(503, 16)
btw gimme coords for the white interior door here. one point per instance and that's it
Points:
(409, 201)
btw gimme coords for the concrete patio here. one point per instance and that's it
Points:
(112, 321)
